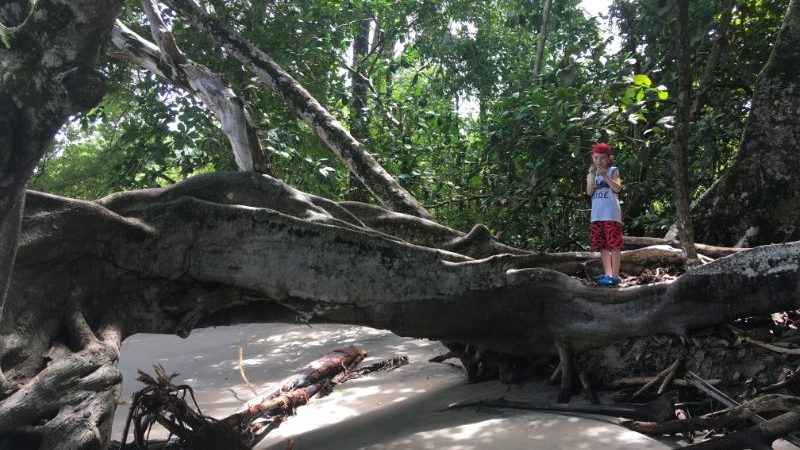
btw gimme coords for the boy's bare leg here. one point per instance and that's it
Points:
(616, 258)
(605, 256)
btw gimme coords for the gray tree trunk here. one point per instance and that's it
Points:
(680, 159)
(756, 200)
(47, 75)
(358, 100)
(542, 38)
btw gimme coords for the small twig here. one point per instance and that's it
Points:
(556, 373)
(241, 371)
(443, 357)
(673, 370)
(774, 348)
(653, 382)
(638, 381)
(771, 347)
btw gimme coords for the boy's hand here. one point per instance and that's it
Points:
(592, 169)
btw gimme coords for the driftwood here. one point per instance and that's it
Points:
(165, 403)
(712, 251)
(319, 371)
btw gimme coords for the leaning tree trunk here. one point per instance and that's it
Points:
(542, 38)
(357, 159)
(168, 61)
(755, 201)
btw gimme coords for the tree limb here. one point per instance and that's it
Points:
(357, 159)
(170, 63)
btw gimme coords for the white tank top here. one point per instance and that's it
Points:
(605, 204)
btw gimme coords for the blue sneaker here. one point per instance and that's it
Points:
(603, 280)
(614, 281)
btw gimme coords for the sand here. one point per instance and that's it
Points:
(401, 409)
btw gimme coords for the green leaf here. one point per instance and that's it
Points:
(663, 95)
(642, 80)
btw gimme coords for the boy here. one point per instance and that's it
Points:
(603, 184)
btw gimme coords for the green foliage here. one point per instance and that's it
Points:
(517, 163)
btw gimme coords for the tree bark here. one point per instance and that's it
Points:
(680, 160)
(350, 274)
(542, 38)
(755, 201)
(359, 128)
(357, 159)
(721, 40)
(47, 75)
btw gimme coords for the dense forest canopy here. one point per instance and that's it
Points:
(416, 166)
(514, 163)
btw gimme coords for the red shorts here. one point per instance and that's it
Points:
(606, 235)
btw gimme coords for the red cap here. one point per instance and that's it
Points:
(601, 148)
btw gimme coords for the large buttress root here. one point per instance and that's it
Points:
(69, 403)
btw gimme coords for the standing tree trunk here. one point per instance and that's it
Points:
(358, 100)
(680, 161)
(542, 38)
(47, 63)
(720, 42)
(755, 201)
(47, 74)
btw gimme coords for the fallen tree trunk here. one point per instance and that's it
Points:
(252, 249)
(351, 274)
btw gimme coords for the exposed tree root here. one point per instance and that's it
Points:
(71, 401)
(659, 410)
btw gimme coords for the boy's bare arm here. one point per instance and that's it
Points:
(615, 183)
(590, 180)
